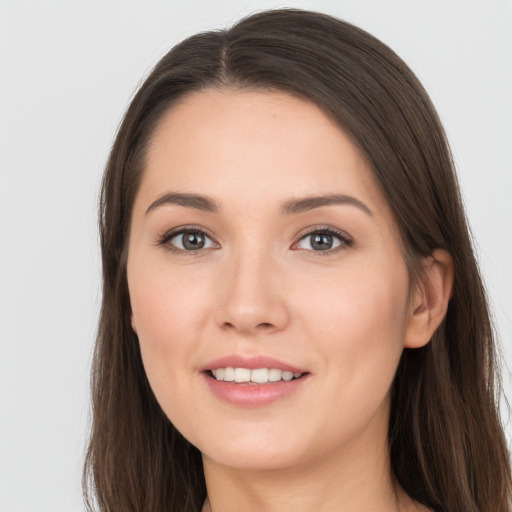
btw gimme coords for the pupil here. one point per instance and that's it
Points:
(193, 241)
(321, 242)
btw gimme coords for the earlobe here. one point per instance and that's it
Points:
(429, 302)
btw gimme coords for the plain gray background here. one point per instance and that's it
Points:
(67, 72)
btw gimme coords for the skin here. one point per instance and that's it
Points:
(258, 287)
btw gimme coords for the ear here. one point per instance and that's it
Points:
(429, 301)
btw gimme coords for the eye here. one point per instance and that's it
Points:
(324, 240)
(187, 240)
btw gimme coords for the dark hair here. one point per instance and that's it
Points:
(447, 444)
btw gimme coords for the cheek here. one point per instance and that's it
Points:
(166, 305)
(354, 326)
(358, 322)
(168, 310)
(370, 298)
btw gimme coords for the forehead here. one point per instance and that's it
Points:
(249, 145)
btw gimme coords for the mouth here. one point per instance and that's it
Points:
(254, 381)
(255, 376)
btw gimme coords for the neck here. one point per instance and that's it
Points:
(346, 481)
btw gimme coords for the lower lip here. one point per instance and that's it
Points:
(253, 395)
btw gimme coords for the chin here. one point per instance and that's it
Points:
(251, 459)
(250, 452)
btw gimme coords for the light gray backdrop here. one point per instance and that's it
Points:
(67, 72)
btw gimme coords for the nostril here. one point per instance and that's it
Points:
(262, 325)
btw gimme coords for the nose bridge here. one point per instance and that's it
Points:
(252, 299)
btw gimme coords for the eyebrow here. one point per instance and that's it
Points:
(196, 201)
(289, 207)
(294, 206)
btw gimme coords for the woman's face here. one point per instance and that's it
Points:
(259, 241)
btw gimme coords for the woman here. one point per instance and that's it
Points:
(292, 315)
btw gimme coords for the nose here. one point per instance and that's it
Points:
(251, 297)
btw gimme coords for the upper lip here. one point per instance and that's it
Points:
(250, 362)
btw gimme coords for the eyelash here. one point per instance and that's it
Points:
(167, 237)
(345, 240)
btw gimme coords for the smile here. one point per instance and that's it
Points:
(253, 380)
(256, 376)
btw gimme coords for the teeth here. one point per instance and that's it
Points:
(258, 376)
(242, 375)
(274, 375)
(229, 374)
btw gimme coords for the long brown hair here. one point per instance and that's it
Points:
(447, 444)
